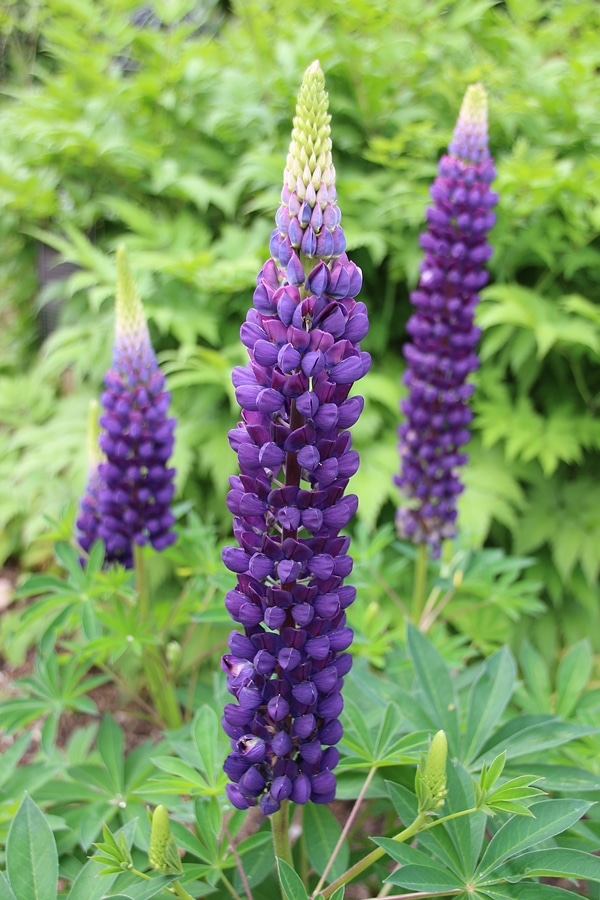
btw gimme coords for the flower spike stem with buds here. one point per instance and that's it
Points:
(420, 583)
(280, 827)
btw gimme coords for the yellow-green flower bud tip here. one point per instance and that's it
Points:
(309, 161)
(162, 853)
(130, 321)
(470, 140)
(434, 771)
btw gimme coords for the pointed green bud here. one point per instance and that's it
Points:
(309, 163)
(162, 853)
(430, 782)
(130, 322)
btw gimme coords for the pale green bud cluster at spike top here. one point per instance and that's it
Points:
(309, 161)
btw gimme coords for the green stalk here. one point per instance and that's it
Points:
(281, 834)
(419, 824)
(372, 857)
(420, 583)
(157, 678)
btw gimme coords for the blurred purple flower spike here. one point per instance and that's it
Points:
(442, 351)
(130, 487)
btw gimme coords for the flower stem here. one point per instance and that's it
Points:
(281, 834)
(372, 857)
(420, 583)
(159, 684)
(346, 829)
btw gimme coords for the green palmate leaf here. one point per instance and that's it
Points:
(258, 860)
(550, 817)
(31, 857)
(321, 833)
(555, 863)
(191, 780)
(290, 881)
(572, 676)
(434, 682)
(487, 701)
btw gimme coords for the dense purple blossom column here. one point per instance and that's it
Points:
(442, 352)
(286, 668)
(133, 486)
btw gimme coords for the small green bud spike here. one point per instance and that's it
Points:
(309, 162)
(130, 321)
(162, 853)
(431, 775)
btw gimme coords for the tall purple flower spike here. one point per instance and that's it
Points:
(442, 353)
(286, 669)
(136, 486)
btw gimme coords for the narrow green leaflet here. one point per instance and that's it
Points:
(550, 817)
(89, 885)
(204, 729)
(525, 735)
(357, 736)
(290, 882)
(529, 891)
(429, 879)
(572, 676)
(436, 687)
(111, 747)
(322, 831)
(31, 857)
(147, 889)
(559, 862)
(6, 892)
(487, 701)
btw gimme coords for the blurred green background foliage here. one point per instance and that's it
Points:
(166, 127)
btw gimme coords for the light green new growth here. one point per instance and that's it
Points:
(95, 455)
(162, 853)
(130, 321)
(431, 775)
(309, 160)
(474, 106)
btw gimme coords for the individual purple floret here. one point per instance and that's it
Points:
(137, 485)
(303, 334)
(442, 353)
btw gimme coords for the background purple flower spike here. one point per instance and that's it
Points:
(295, 456)
(129, 493)
(442, 354)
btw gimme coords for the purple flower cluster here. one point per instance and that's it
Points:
(286, 669)
(128, 497)
(442, 352)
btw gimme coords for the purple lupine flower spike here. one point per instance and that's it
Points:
(137, 440)
(303, 333)
(442, 352)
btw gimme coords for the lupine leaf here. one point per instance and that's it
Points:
(487, 701)
(435, 684)
(31, 857)
(290, 882)
(321, 833)
(550, 817)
